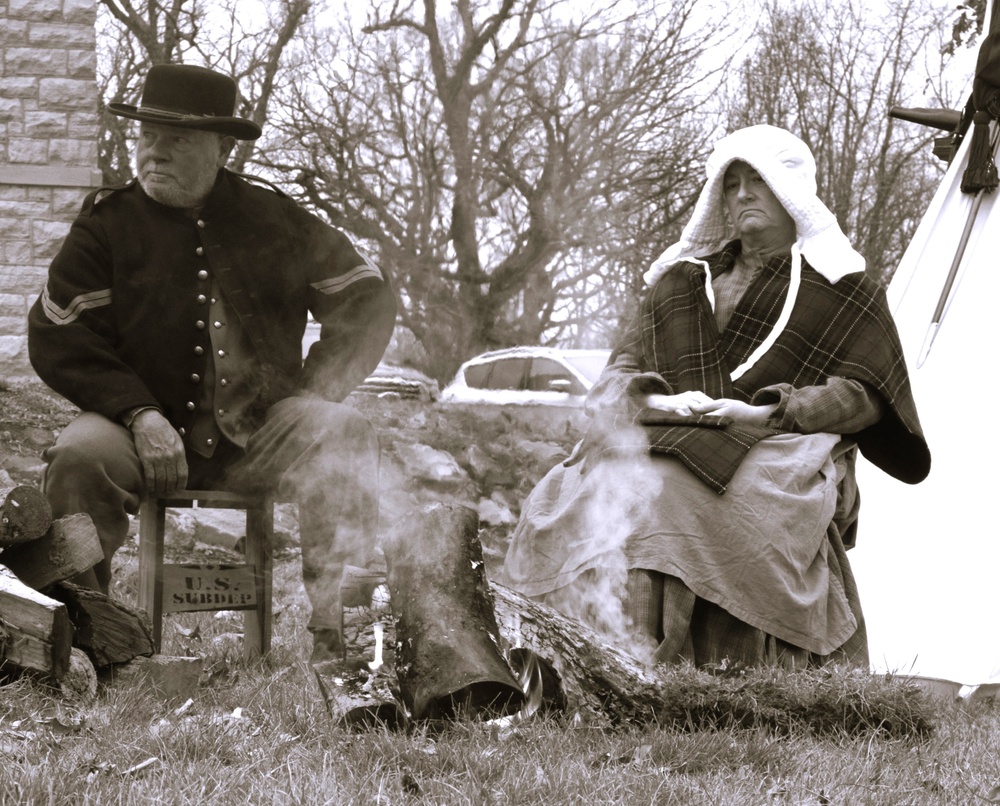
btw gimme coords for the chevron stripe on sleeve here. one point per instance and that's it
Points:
(79, 304)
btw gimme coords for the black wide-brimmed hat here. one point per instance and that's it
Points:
(191, 97)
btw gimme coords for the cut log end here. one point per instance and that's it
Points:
(25, 515)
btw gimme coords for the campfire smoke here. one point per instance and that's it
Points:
(602, 523)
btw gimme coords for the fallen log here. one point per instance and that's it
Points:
(24, 515)
(561, 665)
(35, 630)
(109, 631)
(580, 671)
(69, 547)
(566, 667)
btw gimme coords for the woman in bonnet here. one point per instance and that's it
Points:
(713, 498)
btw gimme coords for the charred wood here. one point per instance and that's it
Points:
(447, 642)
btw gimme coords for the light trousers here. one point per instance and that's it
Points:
(322, 456)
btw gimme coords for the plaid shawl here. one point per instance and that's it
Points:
(835, 330)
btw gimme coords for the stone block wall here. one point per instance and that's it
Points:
(48, 149)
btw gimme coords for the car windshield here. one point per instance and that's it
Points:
(590, 365)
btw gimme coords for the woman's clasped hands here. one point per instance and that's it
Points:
(694, 403)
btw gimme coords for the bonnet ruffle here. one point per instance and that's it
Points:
(787, 166)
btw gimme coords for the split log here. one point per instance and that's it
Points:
(35, 630)
(69, 547)
(448, 659)
(357, 696)
(24, 515)
(361, 691)
(109, 631)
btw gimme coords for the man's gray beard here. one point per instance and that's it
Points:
(175, 197)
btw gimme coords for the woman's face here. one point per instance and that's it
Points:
(754, 210)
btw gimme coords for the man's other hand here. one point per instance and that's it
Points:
(161, 452)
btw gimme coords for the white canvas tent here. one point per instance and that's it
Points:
(928, 556)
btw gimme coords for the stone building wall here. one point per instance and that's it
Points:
(48, 149)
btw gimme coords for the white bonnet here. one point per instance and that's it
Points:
(787, 166)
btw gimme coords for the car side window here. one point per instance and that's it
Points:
(508, 373)
(551, 376)
(477, 375)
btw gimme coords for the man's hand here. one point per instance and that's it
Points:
(740, 412)
(161, 452)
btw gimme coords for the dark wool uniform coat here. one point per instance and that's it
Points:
(124, 319)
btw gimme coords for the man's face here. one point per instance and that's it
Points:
(177, 166)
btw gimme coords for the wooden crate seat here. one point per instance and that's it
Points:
(180, 587)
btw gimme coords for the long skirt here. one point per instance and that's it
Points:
(638, 546)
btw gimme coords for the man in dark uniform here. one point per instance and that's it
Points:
(173, 317)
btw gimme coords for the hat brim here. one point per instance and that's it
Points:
(240, 128)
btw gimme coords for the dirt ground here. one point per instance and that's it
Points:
(31, 416)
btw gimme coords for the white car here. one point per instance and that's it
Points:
(386, 380)
(547, 376)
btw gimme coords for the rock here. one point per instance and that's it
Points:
(546, 454)
(495, 513)
(226, 528)
(486, 470)
(417, 421)
(79, 684)
(430, 464)
(25, 467)
(164, 676)
(180, 529)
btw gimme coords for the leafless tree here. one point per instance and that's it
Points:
(502, 157)
(833, 86)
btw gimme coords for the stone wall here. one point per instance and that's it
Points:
(48, 148)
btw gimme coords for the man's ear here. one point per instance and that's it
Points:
(226, 146)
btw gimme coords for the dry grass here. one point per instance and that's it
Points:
(259, 734)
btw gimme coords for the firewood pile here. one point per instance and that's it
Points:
(47, 623)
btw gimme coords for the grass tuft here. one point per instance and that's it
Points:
(825, 701)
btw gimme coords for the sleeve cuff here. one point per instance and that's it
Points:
(128, 417)
(779, 395)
